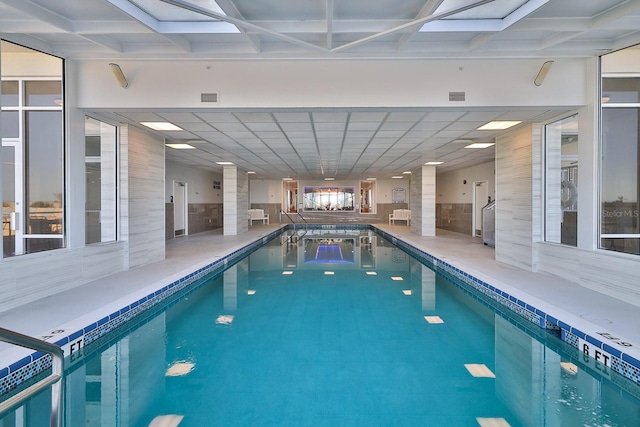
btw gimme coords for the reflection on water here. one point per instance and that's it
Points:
(255, 347)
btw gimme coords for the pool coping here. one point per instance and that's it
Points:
(614, 353)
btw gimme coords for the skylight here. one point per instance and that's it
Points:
(167, 12)
(497, 9)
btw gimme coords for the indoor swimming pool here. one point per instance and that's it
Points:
(334, 328)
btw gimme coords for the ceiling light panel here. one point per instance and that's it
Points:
(499, 125)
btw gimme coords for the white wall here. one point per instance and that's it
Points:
(317, 84)
(384, 189)
(200, 183)
(265, 191)
(452, 189)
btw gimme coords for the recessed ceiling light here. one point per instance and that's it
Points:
(407, 172)
(224, 163)
(397, 177)
(371, 179)
(287, 179)
(433, 163)
(329, 179)
(161, 126)
(480, 145)
(181, 146)
(251, 172)
(499, 124)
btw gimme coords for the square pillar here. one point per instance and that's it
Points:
(235, 201)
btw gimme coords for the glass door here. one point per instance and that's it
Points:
(12, 206)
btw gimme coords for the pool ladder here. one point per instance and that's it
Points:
(54, 379)
(294, 224)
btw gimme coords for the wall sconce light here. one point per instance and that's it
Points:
(117, 72)
(542, 74)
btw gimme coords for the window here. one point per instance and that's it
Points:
(561, 164)
(32, 151)
(329, 198)
(620, 152)
(101, 178)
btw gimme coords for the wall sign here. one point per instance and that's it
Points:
(398, 195)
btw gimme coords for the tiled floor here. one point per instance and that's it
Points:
(588, 310)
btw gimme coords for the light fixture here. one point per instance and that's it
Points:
(406, 173)
(287, 179)
(250, 172)
(224, 163)
(181, 146)
(433, 163)
(371, 179)
(396, 278)
(480, 145)
(117, 72)
(499, 124)
(161, 126)
(397, 177)
(329, 179)
(329, 273)
(542, 74)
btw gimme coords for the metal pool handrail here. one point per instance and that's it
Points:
(54, 380)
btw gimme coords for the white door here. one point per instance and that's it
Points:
(12, 204)
(179, 208)
(480, 199)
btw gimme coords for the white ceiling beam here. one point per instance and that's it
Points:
(103, 41)
(427, 10)
(615, 13)
(230, 8)
(329, 24)
(240, 23)
(410, 25)
(522, 12)
(599, 21)
(40, 13)
(481, 39)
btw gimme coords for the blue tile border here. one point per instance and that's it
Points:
(25, 369)
(622, 363)
(29, 367)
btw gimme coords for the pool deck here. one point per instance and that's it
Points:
(590, 311)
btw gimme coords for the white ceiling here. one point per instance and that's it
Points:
(335, 142)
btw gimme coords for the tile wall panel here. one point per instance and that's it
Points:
(415, 188)
(146, 213)
(514, 206)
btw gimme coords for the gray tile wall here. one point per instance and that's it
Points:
(456, 217)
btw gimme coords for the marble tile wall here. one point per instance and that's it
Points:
(514, 209)
(145, 188)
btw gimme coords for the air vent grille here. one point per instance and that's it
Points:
(456, 96)
(209, 97)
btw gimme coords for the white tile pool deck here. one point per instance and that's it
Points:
(580, 307)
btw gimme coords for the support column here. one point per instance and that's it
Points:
(423, 201)
(236, 201)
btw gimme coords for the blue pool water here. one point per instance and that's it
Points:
(298, 334)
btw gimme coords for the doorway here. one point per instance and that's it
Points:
(12, 190)
(179, 209)
(480, 200)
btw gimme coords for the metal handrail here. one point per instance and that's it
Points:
(54, 380)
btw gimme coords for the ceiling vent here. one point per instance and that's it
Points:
(456, 96)
(209, 97)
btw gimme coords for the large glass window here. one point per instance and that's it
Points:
(32, 151)
(329, 198)
(561, 163)
(620, 152)
(101, 196)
